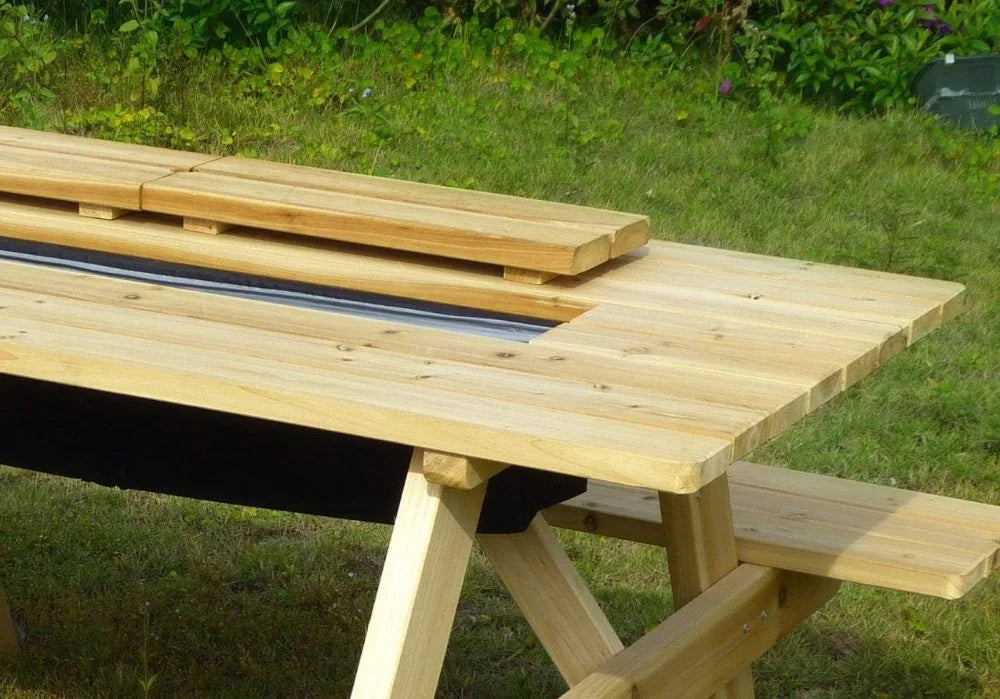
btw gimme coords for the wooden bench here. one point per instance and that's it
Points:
(824, 526)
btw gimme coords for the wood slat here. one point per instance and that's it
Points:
(631, 231)
(173, 160)
(549, 246)
(824, 526)
(74, 178)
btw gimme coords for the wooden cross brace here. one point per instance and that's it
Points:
(728, 614)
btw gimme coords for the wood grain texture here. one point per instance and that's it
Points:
(418, 593)
(647, 363)
(824, 526)
(697, 650)
(701, 550)
(113, 151)
(553, 598)
(105, 213)
(480, 237)
(74, 178)
(459, 472)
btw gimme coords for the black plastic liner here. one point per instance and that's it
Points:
(140, 444)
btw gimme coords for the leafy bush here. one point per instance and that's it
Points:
(858, 54)
(28, 50)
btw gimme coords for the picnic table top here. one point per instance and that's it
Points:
(669, 362)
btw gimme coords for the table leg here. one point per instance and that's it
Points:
(8, 634)
(701, 550)
(418, 594)
(553, 598)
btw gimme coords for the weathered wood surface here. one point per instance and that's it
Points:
(830, 527)
(664, 372)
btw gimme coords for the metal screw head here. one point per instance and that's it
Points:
(746, 628)
(763, 615)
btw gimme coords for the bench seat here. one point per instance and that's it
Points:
(831, 527)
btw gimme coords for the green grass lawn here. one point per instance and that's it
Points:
(125, 593)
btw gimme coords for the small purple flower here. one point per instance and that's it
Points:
(725, 87)
(929, 9)
(944, 29)
(366, 93)
(884, 3)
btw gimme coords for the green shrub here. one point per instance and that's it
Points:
(859, 54)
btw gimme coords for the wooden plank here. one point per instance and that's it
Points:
(554, 599)
(105, 213)
(173, 160)
(821, 379)
(459, 472)
(701, 550)
(919, 314)
(858, 357)
(717, 260)
(545, 246)
(419, 589)
(632, 230)
(8, 632)
(481, 427)
(845, 530)
(74, 178)
(701, 647)
(882, 499)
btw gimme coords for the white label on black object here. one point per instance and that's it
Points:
(949, 58)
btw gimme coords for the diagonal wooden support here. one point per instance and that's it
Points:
(553, 598)
(8, 634)
(701, 549)
(698, 649)
(418, 594)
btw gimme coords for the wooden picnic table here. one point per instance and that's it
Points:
(663, 365)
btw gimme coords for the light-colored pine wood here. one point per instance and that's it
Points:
(419, 590)
(8, 633)
(460, 472)
(547, 246)
(553, 598)
(698, 649)
(632, 228)
(200, 225)
(823, 526)
(173, 160)
(74, 178)
(527, 276)
(105, 213)
(701, 550)
(323, 397)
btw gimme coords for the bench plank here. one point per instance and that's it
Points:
(823, 526)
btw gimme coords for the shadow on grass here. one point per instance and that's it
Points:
(116, 590)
